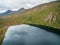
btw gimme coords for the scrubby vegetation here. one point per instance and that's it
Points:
(46, 14)
(2, 33)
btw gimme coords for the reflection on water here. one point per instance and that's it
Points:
(29, 35)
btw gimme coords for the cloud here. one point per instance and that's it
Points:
(2, 10)
(17, 4)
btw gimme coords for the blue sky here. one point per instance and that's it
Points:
(17, 4)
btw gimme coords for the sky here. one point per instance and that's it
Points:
(14, 5)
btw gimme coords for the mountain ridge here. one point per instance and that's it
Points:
(45, 16)
(6, 13)
(9, 12)
(46, 12)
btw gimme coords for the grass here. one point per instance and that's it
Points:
(2, 33)
(36, 15)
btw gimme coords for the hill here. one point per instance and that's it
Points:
(9, 12)
(47, 14)
(6, 13)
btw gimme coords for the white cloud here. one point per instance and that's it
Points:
(16, 4)
(2, 10)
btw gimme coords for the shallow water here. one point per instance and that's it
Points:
(29, 35)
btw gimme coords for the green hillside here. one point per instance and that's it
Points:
(47, 14)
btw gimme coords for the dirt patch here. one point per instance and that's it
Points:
(50, 18)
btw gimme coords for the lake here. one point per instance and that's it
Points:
(29, 35)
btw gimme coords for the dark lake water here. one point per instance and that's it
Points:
(29, 35)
